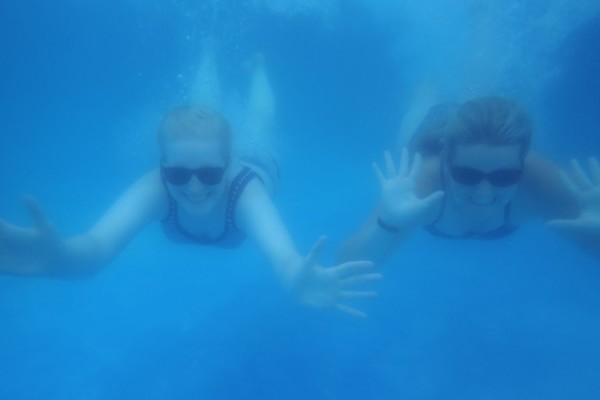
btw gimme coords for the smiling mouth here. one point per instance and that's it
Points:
(483, 203)
(197, 200)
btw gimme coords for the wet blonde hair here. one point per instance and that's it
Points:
(494, 120)
(194, 122)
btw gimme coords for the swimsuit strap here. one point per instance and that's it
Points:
(237, 188)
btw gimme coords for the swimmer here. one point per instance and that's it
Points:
(473, 176)
(202, 194)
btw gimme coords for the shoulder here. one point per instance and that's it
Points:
(254, 207)
(149, 192)
(248, 177)
(251, 189)
(264, 176)
(142, 202)
(543, 191)
(151, 184)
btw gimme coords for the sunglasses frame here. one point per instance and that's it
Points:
(206, 175)
(492, 177)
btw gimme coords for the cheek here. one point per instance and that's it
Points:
(458, 191)
(507, 193)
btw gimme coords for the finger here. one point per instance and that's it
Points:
(313, 254)
(566, 225)
(350, 311)
(569, 183)
(577, 228)
(416, 166)
(3, 232)
(358, 294)
(404, 162)
(352, 268)
(389, 165)
(12, 235)
(579, 177)
(380, 177)
(360, 279)
(39, 217)
(595, 170)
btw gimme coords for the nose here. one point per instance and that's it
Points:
(484, 188)
(194, 185)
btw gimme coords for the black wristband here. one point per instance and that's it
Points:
(388, 228)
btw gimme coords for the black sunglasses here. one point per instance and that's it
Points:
(499, 178)
(180, 176)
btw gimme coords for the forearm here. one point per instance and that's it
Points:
(79, 256)
(374, 242)
(83, 256)
(288, 270)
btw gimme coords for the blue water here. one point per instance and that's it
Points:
(84, 84)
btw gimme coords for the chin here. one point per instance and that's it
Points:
(198, 209)
(200, 206)
(485, 206)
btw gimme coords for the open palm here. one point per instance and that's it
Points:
(400, 206)
(585, 187)
(29, 250)
(332, 287)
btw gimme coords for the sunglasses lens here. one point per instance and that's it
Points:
(177, 176)
(471, 176)
(210, 176)
(505, 177)
(466, 175)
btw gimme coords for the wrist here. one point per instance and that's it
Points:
(382, 224)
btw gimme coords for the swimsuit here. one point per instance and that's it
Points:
(231, 236)
(507, 228)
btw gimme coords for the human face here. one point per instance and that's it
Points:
(202, 191)
(499, 167)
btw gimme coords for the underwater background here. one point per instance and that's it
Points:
(83, 86)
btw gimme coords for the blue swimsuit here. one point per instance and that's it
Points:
(231, 236)
(507, 228)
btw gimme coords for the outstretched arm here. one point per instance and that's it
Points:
(310, 283)
(399, 211)
(41, 251)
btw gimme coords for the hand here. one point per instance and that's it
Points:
(30, 251)
(586, 189)
(400, 207)
(329, 287)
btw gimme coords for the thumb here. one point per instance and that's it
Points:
(37, 214)
(314, 252)
(433, 199)
(567, 225)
